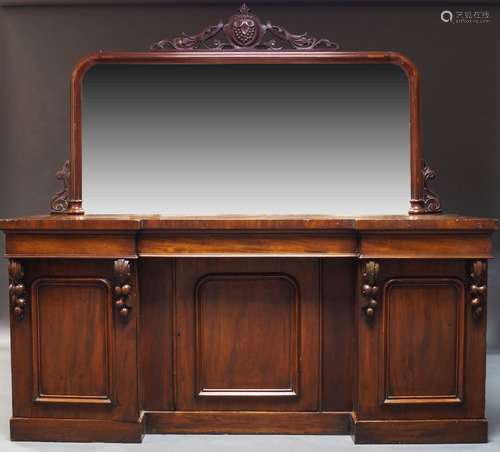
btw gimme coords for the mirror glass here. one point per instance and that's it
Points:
(246, 139)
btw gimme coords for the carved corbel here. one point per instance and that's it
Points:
(17, 290)
(477, 288)
(59, 203)
(123, 287)
(369, 289)
(432, 202)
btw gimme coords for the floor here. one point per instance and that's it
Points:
(237, 443)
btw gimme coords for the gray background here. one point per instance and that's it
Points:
(459, 64)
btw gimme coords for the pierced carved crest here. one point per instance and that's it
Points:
(244, 30)
(59, 203)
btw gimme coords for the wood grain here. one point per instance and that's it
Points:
(83, 354)
(248, 223)
(338, 280)
(416, 372)
(296, 244)
(156, 279)
(61, 362)
(75, 430)
(252, 332)
(421, 431)
(249, 422)
(247, 57)
(274, 344)
(425, 245)
(70, 245)
(422, 326)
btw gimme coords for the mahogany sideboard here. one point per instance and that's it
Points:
(370, 326)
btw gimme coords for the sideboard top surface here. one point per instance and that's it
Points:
(287, 222)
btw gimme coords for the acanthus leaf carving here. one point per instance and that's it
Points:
(432, 202)
(123, 287)
(59, 203)
(243, 30)
(369, 288)
(477, 288)
(17, 289)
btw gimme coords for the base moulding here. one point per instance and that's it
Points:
(218, 422)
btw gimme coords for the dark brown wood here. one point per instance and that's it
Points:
(241, 243)
(71, 356)
(242, 336)
(369, 289)
(248, 56)
(250, 324)
(123, 287)
(425, 245)
(75, 430)
(477, 288)
(421, 431)
(298, 223)
(77, 245)
(157, 341)
(420, 359)
(17, 289)
(59, 203)
(336, 423)
(248, 344)
(338, 284)
(58, 362)
(255, 324)
(431, 199)
(243, 30)
(435, 375)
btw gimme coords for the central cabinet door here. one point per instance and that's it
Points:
(247, 334)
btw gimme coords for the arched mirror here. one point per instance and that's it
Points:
(245, 139)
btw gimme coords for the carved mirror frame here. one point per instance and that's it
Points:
(243, 42)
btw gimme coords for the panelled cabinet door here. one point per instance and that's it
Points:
(73, 344)
(246, 334)
(418, 325)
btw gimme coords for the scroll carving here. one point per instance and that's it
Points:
(123, 287)
(17, 290)
(477, 288)
(369, 289)
(244, 30)
(60, 201)
(432, 203)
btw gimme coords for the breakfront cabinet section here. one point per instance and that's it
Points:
(73, 343)
(250, 326)
(188, 329)
(421, 347)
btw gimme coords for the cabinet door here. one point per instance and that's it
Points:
(247, 334)
(417, 329)
(72, 346)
